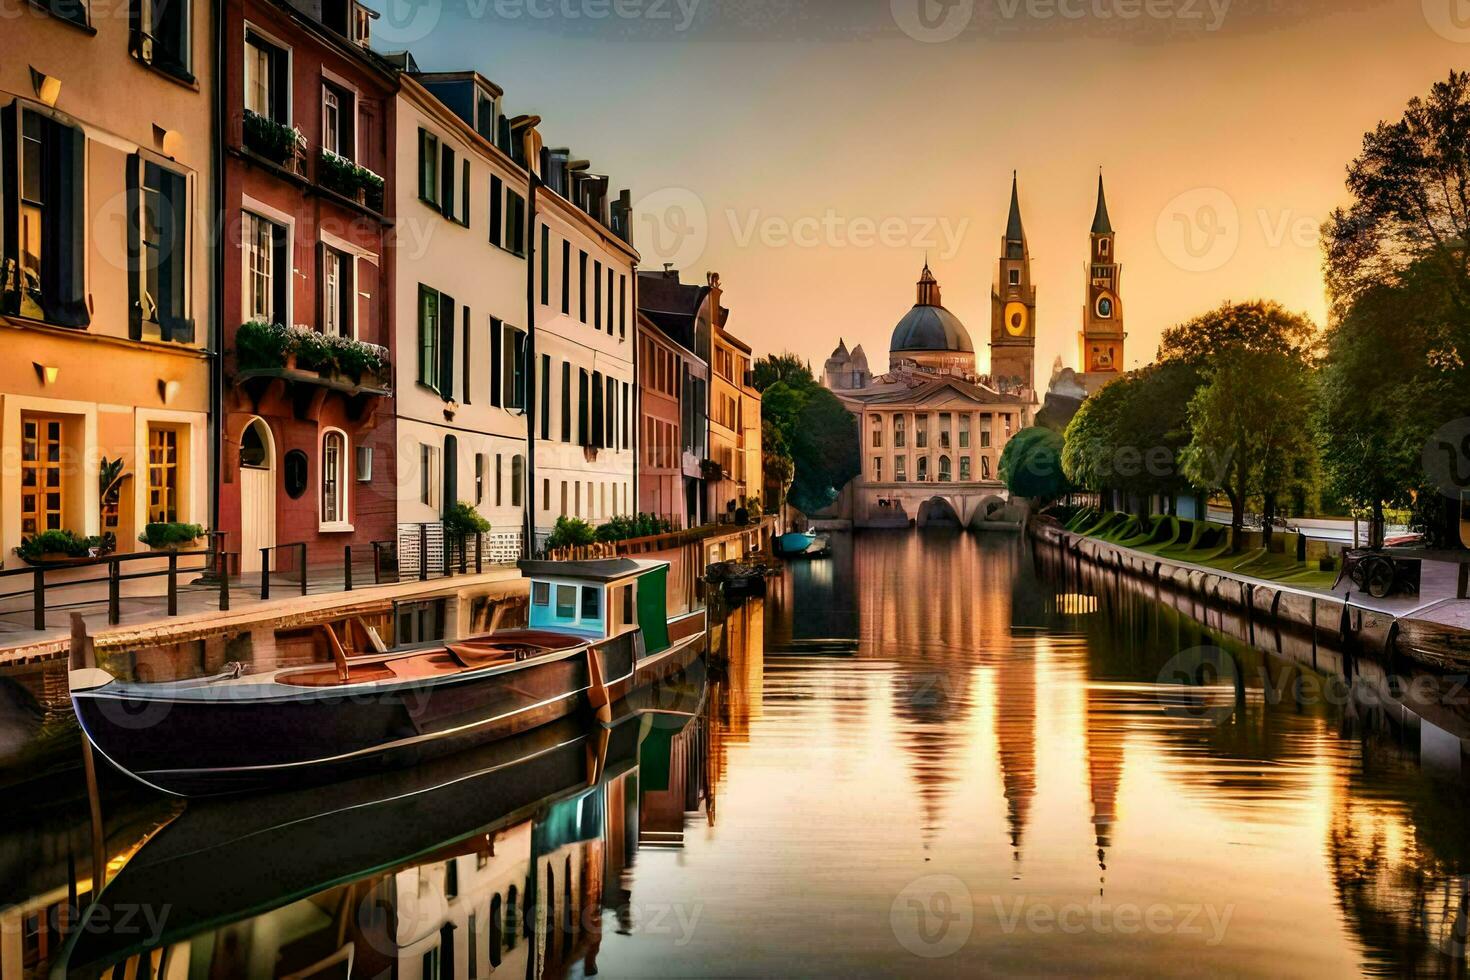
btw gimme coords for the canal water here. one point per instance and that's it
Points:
(981, 772)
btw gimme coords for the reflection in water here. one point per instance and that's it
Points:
(1002, 744)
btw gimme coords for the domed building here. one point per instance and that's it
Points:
(932, 428)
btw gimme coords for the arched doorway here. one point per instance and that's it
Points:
(257, 493)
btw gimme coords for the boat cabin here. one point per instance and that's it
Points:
(601, 599)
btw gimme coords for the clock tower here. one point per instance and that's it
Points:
(1102, 318)
(1013, 309)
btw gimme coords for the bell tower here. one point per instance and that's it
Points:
(1013, 308)
(1102, 318)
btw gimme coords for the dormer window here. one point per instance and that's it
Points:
(487, 114)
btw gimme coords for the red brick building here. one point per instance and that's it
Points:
(307, 284)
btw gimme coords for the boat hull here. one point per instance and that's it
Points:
(274, 739)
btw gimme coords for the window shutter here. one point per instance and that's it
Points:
(174, 258)
(464, 357)
(546, 396)
(496, 398)
(321, 286)
(566, 401)
(446, 347)
(583, 433)
(280, 85)
(281, 275)
(497, 217)
(464, 192)
(347, 296)
(9, 236)
(135, 244)
(63, 255)
(521, 367)
(446, 181)
(612, 413)
(426, 191)
(597, 412)
(450, 495)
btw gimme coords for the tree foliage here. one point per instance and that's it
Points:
(1260, 326)
(811, 426)
(1031, 465)
(782, 367)
(1130, 436)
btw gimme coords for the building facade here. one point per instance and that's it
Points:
(106, 284)
(308, 282)
(1013, 310)
(683, 315)
(1101, 342)
(734, 418)
(932, 429)
(584, 284)
(461, 305)
(660, 428)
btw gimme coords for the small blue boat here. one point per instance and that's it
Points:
(796, 542)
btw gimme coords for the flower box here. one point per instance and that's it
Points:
(276, 142)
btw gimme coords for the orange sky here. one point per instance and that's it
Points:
(811, 152)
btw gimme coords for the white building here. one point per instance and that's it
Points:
(460, 310)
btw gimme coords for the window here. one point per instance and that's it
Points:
(877, 431)
(597, 295)
(566, 278)
(267, 270)
(48, 247)
(923, 469)
(878, 469)
(428, 337)
(267, 78)
(985, 424)
(159, 32)
(75, 11)
(334, 478)
(945, 421)
(566, 601)
(945, 472)
(540, 593)
(294, 466)
(582, 289)
(499, 481)
(497, 215)
(566, 404)
(984, 467)
(545, 266)
(497, 923)
(429, 169)
(964, 469)
(921, 431)
(163, 474)
(517, 479)
(364, 464)
(900, 473)
(481, 465)
(512, 355)
(1015, 277)
(42, 474)
(591, 602)
(622, 305)
(545, 407)
(898, 432)
(337, 117)
(158, 252)
(485, 114)
(337, 293)
(515, 222)
(965, 430)
(429, 475)
(609, 301)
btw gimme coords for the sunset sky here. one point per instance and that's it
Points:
(813, 151)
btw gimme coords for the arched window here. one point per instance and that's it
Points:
(512, 916)
(517, 479)
(495, 937)
(334, 477)
(945, 473)
(923, 469)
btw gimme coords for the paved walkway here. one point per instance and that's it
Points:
(144, 619)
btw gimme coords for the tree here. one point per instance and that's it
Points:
(782, 367)
(1411, 200)
(1129, 437)
(1031, 465)
(1262, 326)
(1249, 431)
(825, 449)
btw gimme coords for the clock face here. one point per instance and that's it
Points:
(1017, 319)
(1105, 307)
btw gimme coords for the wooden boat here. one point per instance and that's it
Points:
(796, 542)
(598, 630)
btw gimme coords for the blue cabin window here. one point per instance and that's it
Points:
(566, 601)
(591, 602)
(540, 593)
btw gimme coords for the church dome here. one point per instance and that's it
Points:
(929, 326)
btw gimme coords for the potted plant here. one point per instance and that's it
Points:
(259, 344)
(171, 535)
(463, 521)
(59, 548)
(275, 141)
(711, 471)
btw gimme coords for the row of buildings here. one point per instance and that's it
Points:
(303, 292)
(932, 427)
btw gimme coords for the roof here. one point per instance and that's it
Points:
(901, 392)
(1101, 223)
(1014, 231)
(930, 328)
(598, 570)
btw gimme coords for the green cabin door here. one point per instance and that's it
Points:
(653, 616)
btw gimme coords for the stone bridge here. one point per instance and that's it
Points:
(929, 504)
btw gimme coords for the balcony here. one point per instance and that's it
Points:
(268, 353)
(358, 184)
(276, 143)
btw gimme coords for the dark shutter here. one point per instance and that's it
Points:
(347, 293)
(546, 396)
(612, 413)
(425, 190)
(10, 198)
(627, 412)
(545, 266)
(464, 357)
(135, 244)
(464, 193)
(497, 216)
(496, 329)
(280, 273)
(173, 252)
(597, 295)
(566, 277)
(63, 255)
(598, 409)
(280, 85)
(446, 347)
(446, 181)
(566, 401)
(322, 254)
(520, 368)
(451, 475)
(583, 433)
